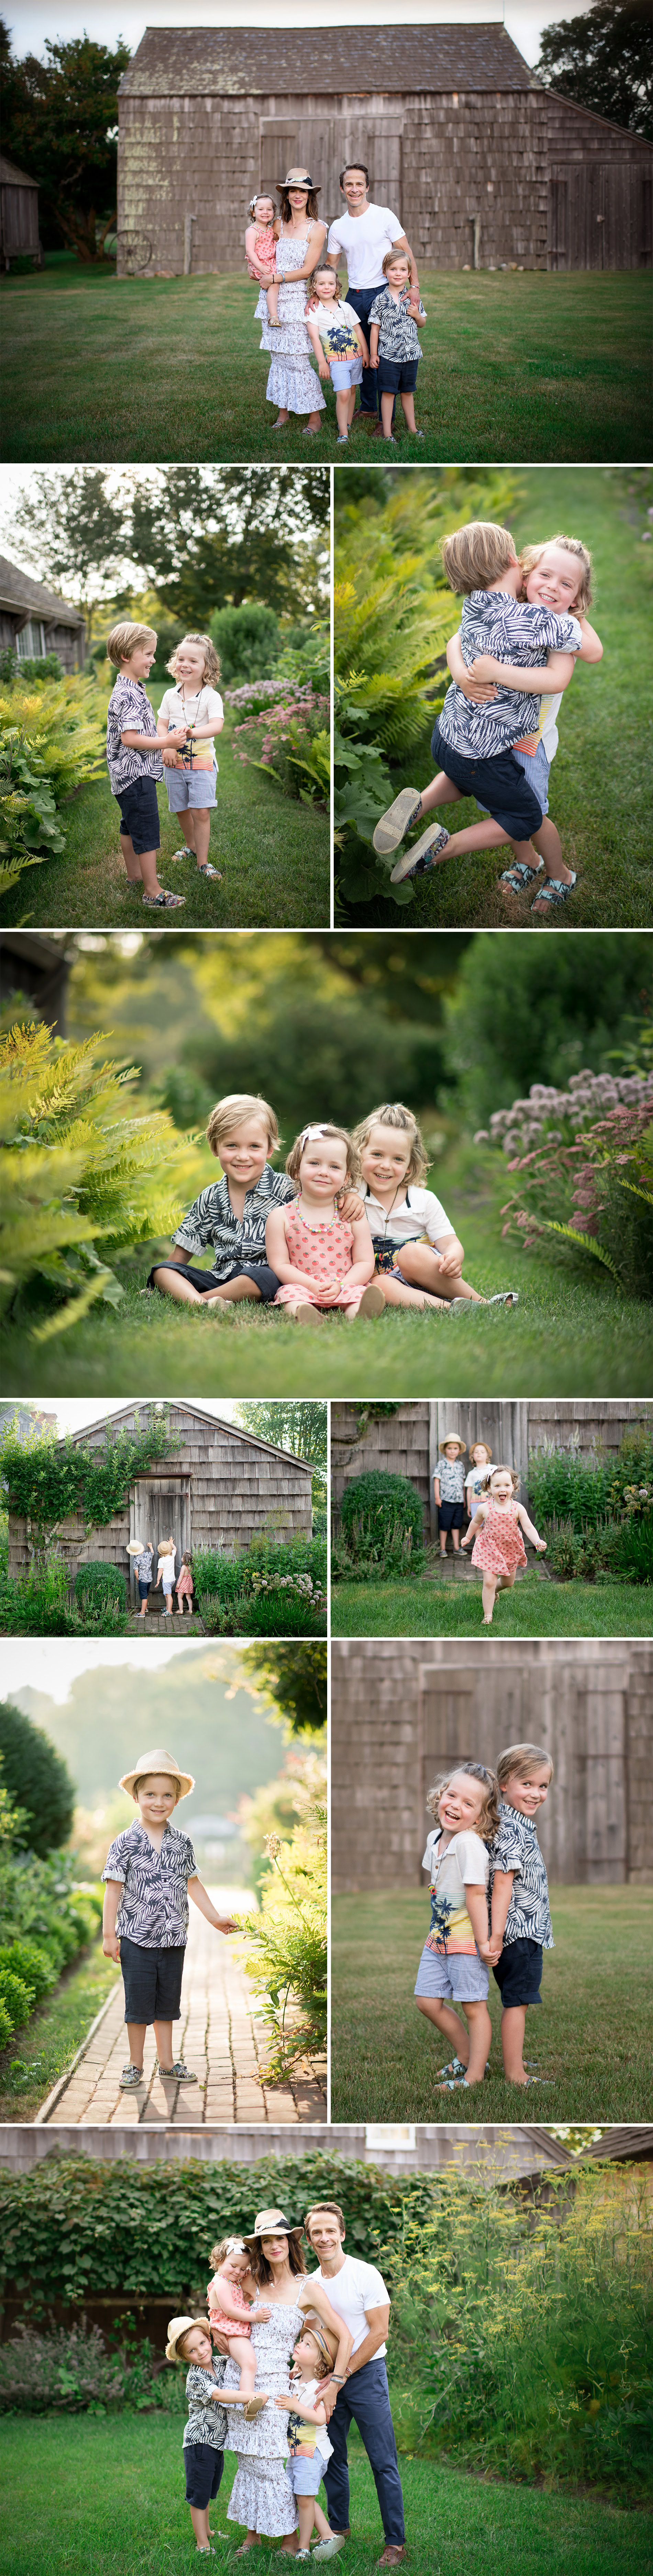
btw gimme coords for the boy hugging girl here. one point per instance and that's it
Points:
(347, 1226)
(523, 623)
(180, 741)
(489, 1902)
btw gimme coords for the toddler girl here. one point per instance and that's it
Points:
(339, 342)
(451, 1969)
(166, 1571)
(261, 250)
(321, 1260)
(417, 1254)
(233, 2296)
(309, 2444)
(191, 773)
(499, 1546)
(184, 1586)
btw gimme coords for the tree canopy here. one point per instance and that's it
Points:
(297, 1424)
(205, 537)
(37, 1781)
(296, 1677)
(603, 59)
(60, 123)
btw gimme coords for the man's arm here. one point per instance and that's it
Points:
(378, 2320)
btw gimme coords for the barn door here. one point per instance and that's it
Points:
(311, 139)
(383, 160)
(157, 1508)
(558, 222)
(280, 148)
(599, 1802)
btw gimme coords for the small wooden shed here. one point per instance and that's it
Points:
(219, 1489)
(35, 620)
(19, 215)
(405, 1440)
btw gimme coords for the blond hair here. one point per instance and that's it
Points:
(232, 1111)
(487, 1824)
(228, 2245)
(125, 639)
(293, 1159)
(476, 555)
(266, 197)
(529, 556)
(518, 1760)
(391, 259)
(392, 1113)
(211, 658)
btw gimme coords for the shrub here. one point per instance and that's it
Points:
(29, 1961)
(385, 1503)
(5, 2025)
(50, 742)
(296, 1678)
(36, 1776)
(97, 1583)
(272, 1611)
(69, 2369)
(587, 1180)
(290, 742)
(42, 1911)
(288, 1939)
(17, 1999)
(367, 1557)
(247, 641)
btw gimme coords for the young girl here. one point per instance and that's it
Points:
(261, 250)
(166, 1571)
(191, 773)
(339, 342)
(556, 576)
(499, 1546)
(184, 1586)
(321, 1260)
(309, 2445)
(417, 1254)
(451, 1969)
(232, 2294)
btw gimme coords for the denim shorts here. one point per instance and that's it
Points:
(397, 375)
(139, 814)
(305, 2474)
(518, 1973)
(189, 787)
(152, 1981)
(346, 372)
(264, 1278)
(203, 2465)
(499, 785)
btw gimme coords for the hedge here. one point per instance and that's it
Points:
(96, 1583)
(383, 1500)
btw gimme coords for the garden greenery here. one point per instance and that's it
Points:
(44, 1918)
(596, 1510)
(385, 1503)
(270, 1588)
(70, 2370)
(51, 742)
(290, 742)
(370, 1555)
(37, 1781)
(51, 1480)
(586, 1178)
(288, 1939)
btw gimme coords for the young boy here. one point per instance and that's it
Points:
(395, 318)
(340, 345)
(474, 742)
(521, 1925)
(206, 2431)
(309, 2444)
(232, 1213)
(449, 1491)
(134, 761)
(149, 1874)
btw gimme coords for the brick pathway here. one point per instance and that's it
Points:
(219, 2036)
(157, 1625)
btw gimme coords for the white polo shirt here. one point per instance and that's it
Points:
(355, 2288)
(365, 240)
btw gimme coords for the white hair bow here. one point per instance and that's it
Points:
(310, 1134)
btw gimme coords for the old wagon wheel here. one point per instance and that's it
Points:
(134, 253)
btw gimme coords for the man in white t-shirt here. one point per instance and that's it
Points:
(359, 2295)
(364, 234)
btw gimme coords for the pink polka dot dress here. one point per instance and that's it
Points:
(324, 1254)
(499, 1548)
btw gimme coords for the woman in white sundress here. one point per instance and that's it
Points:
(292, 381)
(262, 2496)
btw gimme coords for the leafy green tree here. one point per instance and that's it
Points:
(209, 537)
(604, 60)
(296, 1677)
(74, 528)
(60, 123)
(295, 1424)
(37, 1780)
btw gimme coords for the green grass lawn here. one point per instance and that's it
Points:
(598, 789)
(274, 854)
(427, 1608)
(83, 2493)
(534, 366)
(39, 2054)
(592, 2036)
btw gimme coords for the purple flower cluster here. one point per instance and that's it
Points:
(529, 1122)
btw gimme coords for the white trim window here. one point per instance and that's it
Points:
(30, 642)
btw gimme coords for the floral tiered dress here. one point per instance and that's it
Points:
(292, 382)
(323, 1253)
(261, 2497)
(499, 1548)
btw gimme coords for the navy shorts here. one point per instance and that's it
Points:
(143, 1590)
(139, 814)
(152, 1981)
(451, 1515)
(264, 1278)
(518, 1972)
(203, 2466)
(397, 375)
(499, 784)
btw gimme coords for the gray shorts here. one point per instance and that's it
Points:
(458, 1977)
(189, 787)
(305, 2475)
(346, 372)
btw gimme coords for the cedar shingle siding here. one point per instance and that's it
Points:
(453, 126)
(405, 1443)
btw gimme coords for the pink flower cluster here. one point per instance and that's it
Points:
(528, 1121)
(294, 710)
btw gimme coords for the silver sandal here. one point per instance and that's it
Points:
(163, 902)
(208, 871)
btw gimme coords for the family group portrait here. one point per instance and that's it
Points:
(428, 232)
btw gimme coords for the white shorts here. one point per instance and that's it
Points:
(346, 372)
(187, 787)
(458, 1978)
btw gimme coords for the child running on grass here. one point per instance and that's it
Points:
(418, 1257)
(191, 771)
(232, 1213)
(261, 240)
(520, 608)
(233, 2299)
(497, 1533)
(338, 339)
(521, 1927)
(308, 2440)
(320, 1258)
(395, 318)
(134, 761)
(149, 1874)
(452, 1967)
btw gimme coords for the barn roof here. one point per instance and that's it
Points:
(359, 61)
(19, 590)
(11, 177)
(196, 1413)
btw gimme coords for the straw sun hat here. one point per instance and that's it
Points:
(299, 179)
(449, 1438)
(156, 1763)
(178, 2327)
(271, 2222)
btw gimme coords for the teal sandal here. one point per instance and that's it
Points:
(555, 892)
(520, 876)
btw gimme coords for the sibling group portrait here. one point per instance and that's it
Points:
(326, 1290)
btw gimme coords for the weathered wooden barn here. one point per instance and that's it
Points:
(404, 1442)
(34, 620)
(401, 1709)
(484, 166)
(19, 215)
(220, 1488)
